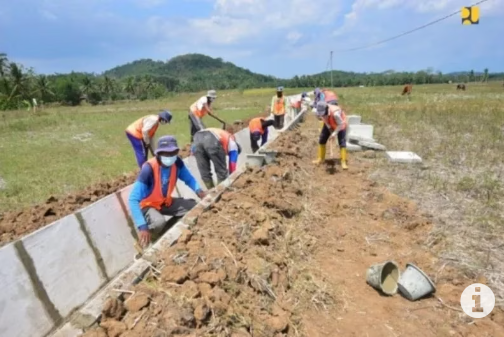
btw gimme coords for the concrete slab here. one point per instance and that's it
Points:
(110, 233)
(356, 139)
(68, 330)
(361, 130)
(65, 263)
(372, 145)
(255, 160)
(354, 119)
(403, 157)
(21, 312)
(124, 195)
(353, 147)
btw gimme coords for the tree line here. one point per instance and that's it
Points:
(147, 79)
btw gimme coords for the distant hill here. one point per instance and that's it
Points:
(187, 71)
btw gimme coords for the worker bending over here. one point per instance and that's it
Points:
(200, 109)
(325, 95)
(141, 134)
(278, 108)
(334, 123)
(298, 105)
(151, 196)
(258, 128)
(213, 145)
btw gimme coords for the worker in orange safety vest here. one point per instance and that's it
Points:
(334, 123)
(141, 134)
(258, 128)
(278, 108)
(151, 197)
(200, 109)
(213, 145)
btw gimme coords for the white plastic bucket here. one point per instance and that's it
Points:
(415, 284)
(384, 277)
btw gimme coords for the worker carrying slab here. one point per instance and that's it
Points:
(141, 134)
(151, 196)
(200, 109)
(213, 145)
(258, 128)
(303, 102)
(334, 123)
(278, 108)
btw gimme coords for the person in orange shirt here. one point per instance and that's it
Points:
(141, 134)
(258, 128)
(334, 124)
(214, 145)
(278, 108)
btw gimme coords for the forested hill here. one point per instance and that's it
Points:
(194, 72)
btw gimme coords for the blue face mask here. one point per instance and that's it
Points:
(168, 161)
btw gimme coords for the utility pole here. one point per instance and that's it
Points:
(331, 71)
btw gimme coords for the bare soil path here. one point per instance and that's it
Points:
(285, 252)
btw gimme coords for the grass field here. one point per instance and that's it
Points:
(64, 149)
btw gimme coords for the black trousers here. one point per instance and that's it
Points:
(196, 124)
(279, 121)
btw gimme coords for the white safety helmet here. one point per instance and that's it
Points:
(212, 94)
(321, 108)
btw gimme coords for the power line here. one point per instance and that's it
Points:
(409, 31)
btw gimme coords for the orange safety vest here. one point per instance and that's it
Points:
(329, 95)
(255, 125)
(331, 120)
(279, 107)
(156, 198)
(297, 105)
(198, 113)
(135, 129)
(223, 137)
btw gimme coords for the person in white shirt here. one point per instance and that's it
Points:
(200, 109)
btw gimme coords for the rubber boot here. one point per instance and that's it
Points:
(343, 154)
(209, 184)
(321, 154)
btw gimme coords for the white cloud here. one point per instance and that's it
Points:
(294, 36)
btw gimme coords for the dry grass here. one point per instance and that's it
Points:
(460, 137)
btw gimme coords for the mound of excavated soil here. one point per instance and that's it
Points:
(285, 252)
(15, 224)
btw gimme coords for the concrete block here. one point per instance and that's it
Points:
(360, 130)
(110, 233)
(403, 157)
(255, 160)
(68, 330)
(356, 139)
(65, 263)
(372, 145)
(353, 147)
(354, 119)
(21, 312)
(124, 195)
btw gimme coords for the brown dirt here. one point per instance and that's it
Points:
(15, 224)
(285, 252)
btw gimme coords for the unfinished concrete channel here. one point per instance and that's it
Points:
(278, 250)
(49, 275)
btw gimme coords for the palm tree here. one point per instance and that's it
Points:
(43, 87)
(87, 85)
(18, 80)
(108, 85)
(130, 86)
(485, 76)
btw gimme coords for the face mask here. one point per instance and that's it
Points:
(162, 122)
(168, 161)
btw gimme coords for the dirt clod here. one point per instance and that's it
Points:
(113, 308)
(137, 302)
(114, 328)
(176, 274)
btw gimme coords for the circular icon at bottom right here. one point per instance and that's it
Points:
(477, 300)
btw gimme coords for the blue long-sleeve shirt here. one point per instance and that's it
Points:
(144, 184)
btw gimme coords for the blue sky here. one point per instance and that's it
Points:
(280, 38)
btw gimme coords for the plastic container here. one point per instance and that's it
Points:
(384, 277)
(415, 284)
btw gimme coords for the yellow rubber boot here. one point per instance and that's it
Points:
(343, 154)
(321, 154)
